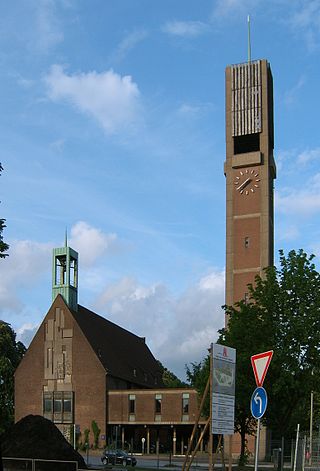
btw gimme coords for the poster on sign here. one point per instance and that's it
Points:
(223, 389)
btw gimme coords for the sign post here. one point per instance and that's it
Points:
(222, 374)
(223, 389)
(259, 399)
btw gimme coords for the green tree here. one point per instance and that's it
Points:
(246, 333)
(96, 433)
(3, 246)
(289, 299)
(11, 353)
(170, 380)
(197, 376)
(283, 314)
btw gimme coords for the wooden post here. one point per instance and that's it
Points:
(196, 425)
(198, 444)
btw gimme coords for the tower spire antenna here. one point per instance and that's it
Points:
(66, 238)
(249, 40)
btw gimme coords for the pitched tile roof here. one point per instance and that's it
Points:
(123, 354)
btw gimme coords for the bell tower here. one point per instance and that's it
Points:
(65, 275)
(250, 170)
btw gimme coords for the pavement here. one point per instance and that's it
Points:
(169, 463)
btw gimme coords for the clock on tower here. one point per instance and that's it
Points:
(250, 170)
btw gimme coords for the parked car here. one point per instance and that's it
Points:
(115, 457)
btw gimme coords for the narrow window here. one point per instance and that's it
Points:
(47, 403)
(246, 242)
(185, 403)
(158, 399)
(132, 403)
(49, 357)
(246, 298)
(73, 272)
(57, 405)
(67, 405)
(64, 356)
(60, 270)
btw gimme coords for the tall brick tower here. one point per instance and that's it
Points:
(250, 170)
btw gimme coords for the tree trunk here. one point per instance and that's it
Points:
(243, 450)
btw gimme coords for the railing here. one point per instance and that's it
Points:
(29, 464)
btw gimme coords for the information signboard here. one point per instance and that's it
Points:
(223, 389)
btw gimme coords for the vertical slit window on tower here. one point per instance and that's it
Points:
(60, 271)
(73, 272)
(246, 242)
(246, 298)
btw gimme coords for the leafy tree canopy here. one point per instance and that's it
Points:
(170, 380)
(11, 353)
(283, 314)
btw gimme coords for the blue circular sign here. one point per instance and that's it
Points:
(259, 401)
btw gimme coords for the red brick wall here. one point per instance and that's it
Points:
(171, 405)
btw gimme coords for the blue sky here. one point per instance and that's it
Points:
(112, 124)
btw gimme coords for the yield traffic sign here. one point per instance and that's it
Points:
(260, 364)
(259, 401)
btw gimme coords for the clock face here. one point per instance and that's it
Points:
(247, 181)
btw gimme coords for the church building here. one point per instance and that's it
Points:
(81, 367)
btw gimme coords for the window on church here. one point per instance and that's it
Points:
(158, 400)
(185, 403)
(132, 403)
(64, 360)
(58, 406)
(247, 242)
(47, 403)
(246, 298)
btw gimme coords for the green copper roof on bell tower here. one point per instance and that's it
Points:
(65, 274)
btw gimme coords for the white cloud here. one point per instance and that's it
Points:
(308, 155)
(27, 262)
(26, 332)
(128, 43)
(109, 98)
(90, 242)
(179, 329)
(185, 28)
(225, 8)
(189, 110)
(300, 203)
(58, 145)
(47, 25)
(306, 21)
(291, 95)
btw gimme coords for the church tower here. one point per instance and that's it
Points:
(250, 170)
(65, 275)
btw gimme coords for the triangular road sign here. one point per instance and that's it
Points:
(260, 364)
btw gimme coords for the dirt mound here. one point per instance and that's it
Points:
(37, 437)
